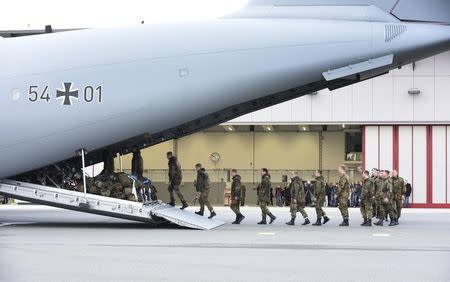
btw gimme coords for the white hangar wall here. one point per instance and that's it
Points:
(381, 100)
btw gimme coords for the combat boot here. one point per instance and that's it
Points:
(213, 214)
(272, 218)
(185, 205)
(318, 222)
(199, 213)
(306, 222)
(235, 220)
(325, 219)
(263, 220)
(240, 218)
(344, 223)
(291, 222)
(364, 223)
(380, 222)
(171, 203)
(396, 221)
(368, 223)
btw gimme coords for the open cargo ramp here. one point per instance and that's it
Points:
(152, 213)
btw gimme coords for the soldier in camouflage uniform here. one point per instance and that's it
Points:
(298, 201)
(399, 190)
(343, 190)
(203, 186)
(264, 196)
(175, 177)
(137, 164)
(378, 181)
(236, 196)
(386, 197)
(319, 194)
(367, 197)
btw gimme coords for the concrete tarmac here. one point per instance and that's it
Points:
(102, 249)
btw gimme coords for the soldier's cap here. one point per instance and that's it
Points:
(375, 169)
(387, 171)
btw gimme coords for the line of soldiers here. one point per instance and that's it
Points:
(381, 194)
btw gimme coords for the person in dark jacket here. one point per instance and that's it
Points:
(175, 177)
(203, 186)
(236, 187)
(407, 194)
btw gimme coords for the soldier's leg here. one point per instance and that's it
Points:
(381, 214)
(399, 208)
(363, 209)
(235, 207)
(177, 190)
(369, 211)
(206, 200)
(172, 198)
(264, 210)
(301, 209)
(293, 210)
(201, 201)
(392, 215)
(343, 207)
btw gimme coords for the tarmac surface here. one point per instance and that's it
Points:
(95, 248)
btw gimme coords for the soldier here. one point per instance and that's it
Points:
(367, 197)
(203, 186)
(297, 199)
(319, 194)
(386, 199)
(137, 164)
(175, 177)
(263, 196)
(236, 187)
(399, 190)
(343, 190)
(377, 181)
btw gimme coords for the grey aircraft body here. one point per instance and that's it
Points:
(113, 89)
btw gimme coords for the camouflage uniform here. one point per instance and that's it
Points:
(386, 199)
(398, 185)
(367, 194)
(319, 194)
(203, 186)
(264, 194)
(137, 165)
(298, 194)
(175, 177)
(378, 181)
(236, 194)
(342, 195)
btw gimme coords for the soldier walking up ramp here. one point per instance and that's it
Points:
(153, 213)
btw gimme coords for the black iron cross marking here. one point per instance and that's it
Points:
(67, 93)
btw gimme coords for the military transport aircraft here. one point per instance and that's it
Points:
(114, 89)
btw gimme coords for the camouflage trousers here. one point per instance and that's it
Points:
(343, 206)
(319, 210)
(234, 205)
(299, 207)
(366, 209)
(204, 201)
(385, 209)
(176, 189)
(264, 210)
(398, 207)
